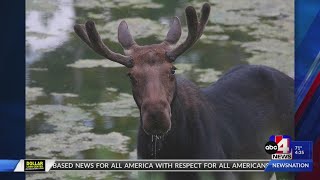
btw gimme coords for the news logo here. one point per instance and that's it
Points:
(34, 165)
(271, 147)
(279, 147)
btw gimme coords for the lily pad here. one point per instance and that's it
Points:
(135, 4)
(58, 98)
(123, 106)
(30, 113)
(207, 75)
(210, 38)
(70, 135)
(183, 67)
(268, 45)
(215, 29)
(38, 69)
(139, 28)
(282, 62)
(220, 16)
(138, 4)
(32, 93)
(261, 8)
(92, 63)
(64, 118)
(65, 94)
(272, 32)
(68, 145)
(39, 5)
(61, 175)
(110, 89)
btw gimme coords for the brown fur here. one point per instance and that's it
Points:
(153, 85)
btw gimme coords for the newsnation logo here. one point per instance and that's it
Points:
(279, 147)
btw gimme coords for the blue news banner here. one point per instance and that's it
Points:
(286, 156)
(298, 157)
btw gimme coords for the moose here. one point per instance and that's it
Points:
(230, 119)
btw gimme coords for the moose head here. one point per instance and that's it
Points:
(150, 67)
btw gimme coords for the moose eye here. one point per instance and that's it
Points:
(131, 77)
(173, 70)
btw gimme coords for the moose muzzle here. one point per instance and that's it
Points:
(156, 117)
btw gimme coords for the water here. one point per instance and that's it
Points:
(156, 141)
(80, 105)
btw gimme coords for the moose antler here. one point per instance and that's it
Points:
(89, 34)
(195, 30)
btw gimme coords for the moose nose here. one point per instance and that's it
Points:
(156, 117)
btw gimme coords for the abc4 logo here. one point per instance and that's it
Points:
(278, 144)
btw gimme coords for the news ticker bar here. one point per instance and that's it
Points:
(37, 165)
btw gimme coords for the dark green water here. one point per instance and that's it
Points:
(80, 106)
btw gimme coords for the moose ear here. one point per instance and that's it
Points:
(124, 36)
(174, 33)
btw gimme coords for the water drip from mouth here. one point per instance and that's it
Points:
(155, 145)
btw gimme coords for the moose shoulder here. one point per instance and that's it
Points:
(230, 119)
